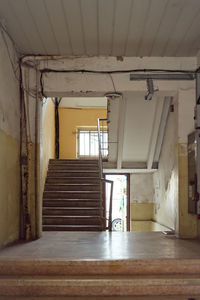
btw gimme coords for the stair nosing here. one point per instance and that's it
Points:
(71, 216)
(72, 199)
(67, 192)
(73, 208)
(73, 184)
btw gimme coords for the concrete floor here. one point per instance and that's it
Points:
(103, 246)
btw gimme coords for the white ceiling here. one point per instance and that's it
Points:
(104, 27)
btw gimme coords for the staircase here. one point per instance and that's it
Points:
(72, 196)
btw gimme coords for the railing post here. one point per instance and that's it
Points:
(101, 174)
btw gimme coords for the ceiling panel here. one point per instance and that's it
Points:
(89, 9)
(60, 29)
(106, 18)
(102, 27)
(120, 26)
(181, 27)
(74, 19)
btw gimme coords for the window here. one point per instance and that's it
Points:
(88, 142)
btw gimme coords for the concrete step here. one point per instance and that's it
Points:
(71, 220)
(72, 228)
(72, 187)
(74, 161)
(73, 173)
(71, 202)
(103, 267)
(99, 287)
(60, 180)
(72, 211)
(71, 194)
(74, 167)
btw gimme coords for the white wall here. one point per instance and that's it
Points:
(141, 188)
(10, 145)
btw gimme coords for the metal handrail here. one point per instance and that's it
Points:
(101, 173)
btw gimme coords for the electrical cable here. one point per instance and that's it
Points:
(112, 82)
(47, 70)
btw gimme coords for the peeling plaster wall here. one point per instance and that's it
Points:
(166, 178)
(141, 197)
(141, 188)
(10, 145)
(188, 223)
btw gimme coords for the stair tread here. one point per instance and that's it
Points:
(77, 164)
(70, 199)
(73, 184)
(55, 177)
(72, 216)
(67, 192)
(75, 208)
(73, 226)
(73, 160)
(75, 171)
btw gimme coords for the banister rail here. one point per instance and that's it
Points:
(101, 173)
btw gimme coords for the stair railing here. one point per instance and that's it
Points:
(103, 180)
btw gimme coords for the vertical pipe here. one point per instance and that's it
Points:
(22, 225)
(36, 158)
(56, 128)
(197, 126)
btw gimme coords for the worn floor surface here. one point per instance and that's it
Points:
(103, 246)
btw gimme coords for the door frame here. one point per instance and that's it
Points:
(128, 197)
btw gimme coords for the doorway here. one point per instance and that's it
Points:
(120, 203)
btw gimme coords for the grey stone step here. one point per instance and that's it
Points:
(74, 167)
(71, 202)
(72, 211)
(74, 161)
(100, 287)
(71, 194)
(71, 220)
(73, 173)
(56, 180)
(105, 267)
(72, 228)
(72, 187)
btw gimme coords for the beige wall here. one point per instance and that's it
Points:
(9, 146)
(69, 119)
(48, 136)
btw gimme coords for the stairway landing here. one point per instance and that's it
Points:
(101, 265)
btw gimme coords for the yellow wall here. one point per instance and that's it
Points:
(10, 188)
(69, 119)
(145, 226)
(142, 211)
(48, 138)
